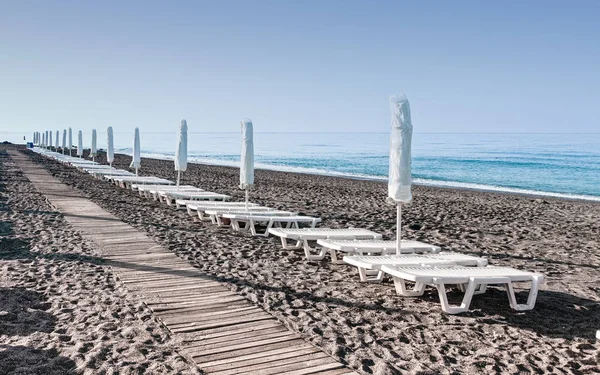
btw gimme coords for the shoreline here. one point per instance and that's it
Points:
(416, 181)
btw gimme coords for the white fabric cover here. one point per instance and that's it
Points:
(110, 149)
(64, 140)
(400, 180)
(70, 139)
(181, 150)
(93, 150)
(136, 162)
(56, 142)
(80, 143)
(247, 155)
(43, 139)
(50, 142)
(46, 143)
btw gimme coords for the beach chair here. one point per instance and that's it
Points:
(169, 197)
(301, 237)
(193, 206)
(363, 247)
(249, 221)
(473, 277)
(369, 266)
(127, 181)
(102, 173)
(216, 214)
(155, 192)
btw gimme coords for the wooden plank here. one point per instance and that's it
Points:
(235, 364)
(178, 328)
(232, 349)
(294, 363)
(206, 358)
(198, 307)
(229, 330)
(201, 318)
(243, 358)
(165, 301)
(314, 367)
(234, 337)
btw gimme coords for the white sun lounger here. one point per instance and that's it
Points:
(151, 191)
(127, 181)
(369, 265)
(363, 247)
(473, 277)
(250, 221)
(101, 173)
(192, 206)
(216, 214)
(158, 193)
(202, 215)
(169, 197)
(302, 236)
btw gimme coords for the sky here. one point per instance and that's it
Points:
(299, 66)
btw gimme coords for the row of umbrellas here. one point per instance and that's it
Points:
(399, 178)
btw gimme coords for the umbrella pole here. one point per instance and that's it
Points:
(247, 198)
(178, 178)
(136, 172)
(399, 226)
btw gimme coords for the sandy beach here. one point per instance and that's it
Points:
(60, 308)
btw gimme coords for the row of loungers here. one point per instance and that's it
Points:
(419, 263)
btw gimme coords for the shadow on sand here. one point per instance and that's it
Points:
(24, 360)
(23, 312)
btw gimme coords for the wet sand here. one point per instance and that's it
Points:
(369, 327)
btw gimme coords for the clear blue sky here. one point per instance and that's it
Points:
(466, 66)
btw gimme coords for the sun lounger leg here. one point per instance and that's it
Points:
(270, 225)
(309, 256)
(364, 275)
(466, 302)
(334, 258)
(535, 284)
(284, 244)
(401, 289)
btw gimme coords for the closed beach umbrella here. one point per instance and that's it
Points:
(56, 141)
(136, 162)
(400, 180)
(93, 150)
(70, 141)
(64, 141)
(181, 150)
(42, 144)
(247, 157)
(110, 148)
(46, 140)
(50, 142)
(80, 144)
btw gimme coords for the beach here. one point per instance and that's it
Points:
(82, 319)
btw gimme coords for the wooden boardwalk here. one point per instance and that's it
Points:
(220, 330)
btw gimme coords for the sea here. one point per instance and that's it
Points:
(553, 165)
